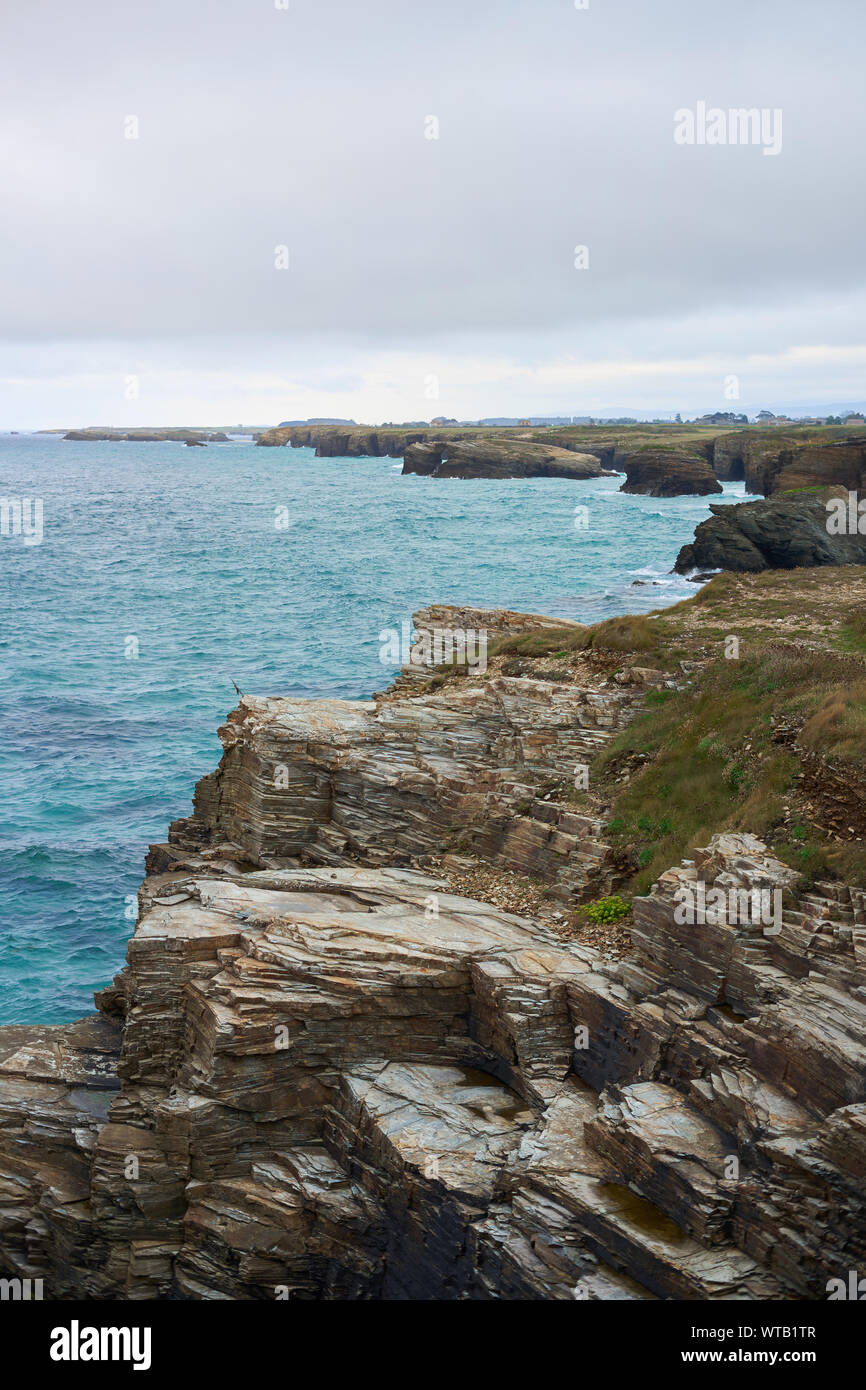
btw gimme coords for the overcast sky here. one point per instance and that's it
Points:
(148, 264)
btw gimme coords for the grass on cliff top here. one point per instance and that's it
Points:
(823, 608)
(719, 755)
(852, 631)
(712, 758)
(629, 634)
(682, 448)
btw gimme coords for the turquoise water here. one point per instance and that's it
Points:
(178, 548)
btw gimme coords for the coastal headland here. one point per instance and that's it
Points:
(413, 1007)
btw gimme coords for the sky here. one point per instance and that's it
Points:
(246, 211)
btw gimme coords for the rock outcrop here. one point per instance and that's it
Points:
(456, 453)
(658, 472)
(331, 442)
(768, 460)
(499, 459)
(779, 532)
(390, 781)
(345, 1082)
(782, 459)
(324, 1074)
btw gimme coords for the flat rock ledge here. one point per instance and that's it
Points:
(506, 459)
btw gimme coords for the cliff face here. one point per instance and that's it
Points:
(607, 444)
(781, 532)
(347, 1083)
(668, 473)
(779, 460)
(500, 459)
(323, 1073)
(419, 771)
(330, 442)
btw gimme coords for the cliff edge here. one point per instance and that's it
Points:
(329, 1070)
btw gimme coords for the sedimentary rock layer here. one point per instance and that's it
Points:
(347, 1083)
(500, 459)
(776, 465)
(323, 1074)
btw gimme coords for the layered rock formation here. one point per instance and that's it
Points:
(780, 532)
(499, 459)
(783, 460)
(608, 444)
(452, 453)
(342, 442)
(323, 1074)
(389, 781)
(347, 1083)
(658, 472)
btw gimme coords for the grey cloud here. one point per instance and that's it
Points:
(260, 127)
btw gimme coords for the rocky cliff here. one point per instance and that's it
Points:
(499, 459)
(331, 442)
(781, 459)
(780, 532)
(327, 1072)
(656, 472)
(608, 444)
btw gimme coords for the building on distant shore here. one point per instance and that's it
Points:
(722, 417)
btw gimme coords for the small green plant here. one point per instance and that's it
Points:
(607, 909)
(735, 777)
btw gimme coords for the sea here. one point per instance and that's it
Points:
(155, 578)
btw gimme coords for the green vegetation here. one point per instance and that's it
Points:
(627, 634)
(837, 729)
(853, 632)
(606, 909)
(714, 762)
(773, 742)
(550, 641)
